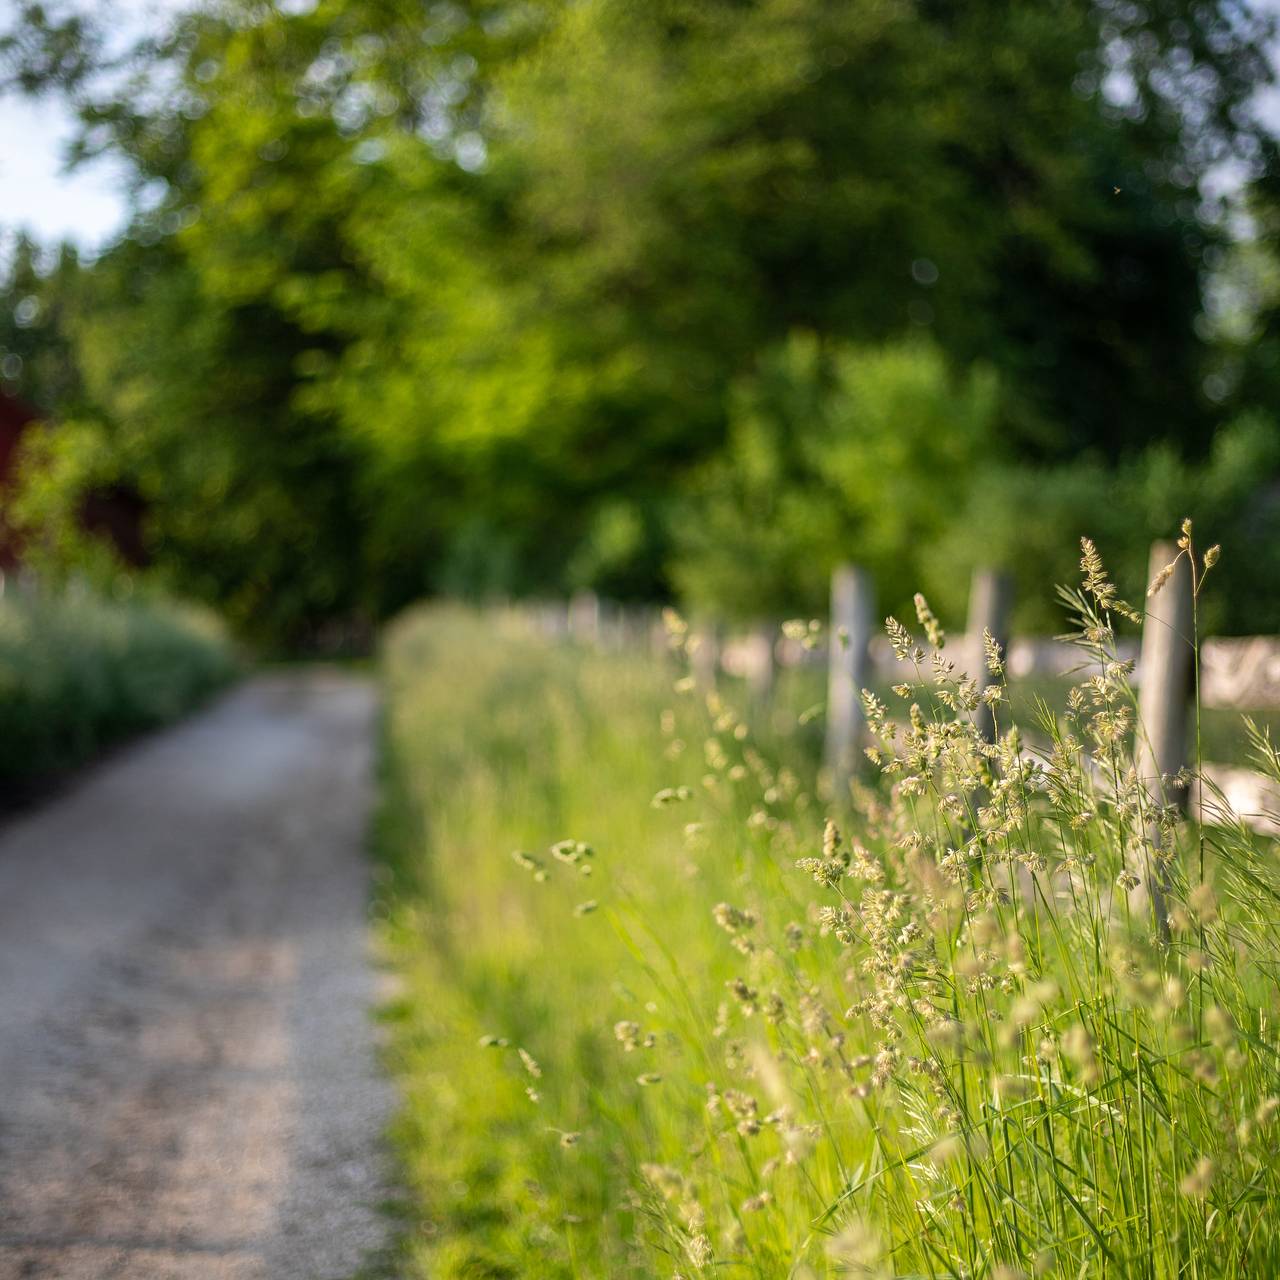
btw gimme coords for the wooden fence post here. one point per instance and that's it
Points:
(760, 672)
(852, 620)
(633, 628)
(584, 617)
(553, 620)
(990, 607)
(1164, 685)
(659, 639)
(704, 655)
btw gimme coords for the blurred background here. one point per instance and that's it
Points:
(309, 308)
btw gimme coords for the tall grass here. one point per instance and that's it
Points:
(1005, 1013)
(78, 671)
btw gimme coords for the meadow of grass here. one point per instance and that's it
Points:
(79, 671)
(665, 1010)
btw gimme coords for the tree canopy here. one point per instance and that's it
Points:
(525, 296)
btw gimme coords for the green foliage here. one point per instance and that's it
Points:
(833, 454)
(760, 529)
(1027, 519)
(1015, 1017)
(249, 502)
(886, 457)
(423, 297)
(79, 671)
(731, 172)
(38, 359)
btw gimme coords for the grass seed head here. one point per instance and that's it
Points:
(932, 627)
(1161, 579)
(1197, 1182)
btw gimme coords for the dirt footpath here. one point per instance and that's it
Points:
(187, 1081)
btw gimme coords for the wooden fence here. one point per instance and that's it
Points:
(1237, 673)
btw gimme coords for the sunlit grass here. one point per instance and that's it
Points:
(951, 1033)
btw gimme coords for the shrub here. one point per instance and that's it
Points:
(78, 671)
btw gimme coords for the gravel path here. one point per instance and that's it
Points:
(187, 1080)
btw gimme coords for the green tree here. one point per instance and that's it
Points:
(249, 498)
(708, 176)
(1029, 519)
(38, 301)
(449, 296)
(844, 453)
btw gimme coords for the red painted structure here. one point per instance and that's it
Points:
(15, 417)
(114, 512)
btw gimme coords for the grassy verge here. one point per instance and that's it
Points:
(500, 744)
(78, 672)
(1004, 1017)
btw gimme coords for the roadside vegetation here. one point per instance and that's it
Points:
(79, 671)
(665, 1011)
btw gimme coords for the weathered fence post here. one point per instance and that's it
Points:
(760, 671)
(1164, 685)
(584, 617)
(659, 638)
(852, 620)
(704, 655)
(990, 607)
(633, 628)
(553, 621)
